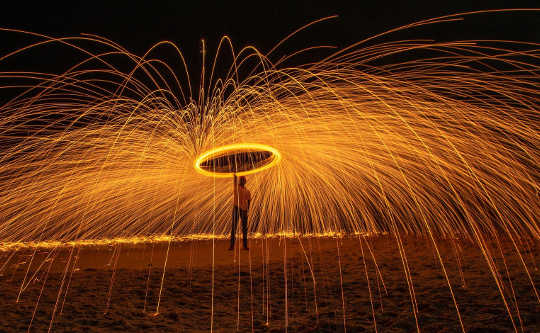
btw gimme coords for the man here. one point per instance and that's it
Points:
(241, 202)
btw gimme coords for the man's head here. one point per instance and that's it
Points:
(242, 180)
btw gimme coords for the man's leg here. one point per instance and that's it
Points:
(233, 227)
(244, 217)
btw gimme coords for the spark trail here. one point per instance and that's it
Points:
(443, 143)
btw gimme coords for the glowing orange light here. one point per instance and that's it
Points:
(224, 151)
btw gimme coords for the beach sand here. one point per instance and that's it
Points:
(306, 284)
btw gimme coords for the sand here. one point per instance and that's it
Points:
(266, 289)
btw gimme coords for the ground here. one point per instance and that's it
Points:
(250, 287)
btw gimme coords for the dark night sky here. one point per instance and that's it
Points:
(137, 25)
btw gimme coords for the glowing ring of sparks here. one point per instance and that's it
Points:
(230, 151)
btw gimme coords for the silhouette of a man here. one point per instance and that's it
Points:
(241, 202)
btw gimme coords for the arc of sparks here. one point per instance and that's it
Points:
(255, 163)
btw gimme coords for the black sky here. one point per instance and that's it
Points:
(137, 25)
